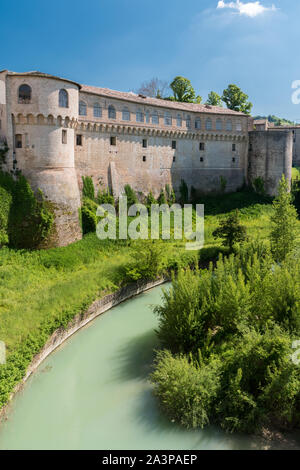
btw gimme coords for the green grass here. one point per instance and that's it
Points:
(43, 290)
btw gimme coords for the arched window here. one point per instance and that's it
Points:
(139, 116)
(179, 120)
(208, 124)
(82, 108)
(198, 123)
(111, 112)
(147, 117)
(155, 119)
(168, 119)
(188, 122)
(126, 114)
(63, 99)
(97, 110)
(219, 124)
(239, 126)
(229, 125)
(24, 94)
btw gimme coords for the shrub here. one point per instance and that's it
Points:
(88, 189)
(171, 199)
(131, 195)
(259, 185)
(31, 218)
(186, 392)
(148, 260)
(162, 198)
(88, 216)
(5, 205)
(105, 197)
(284, 222)
(150, 199)
(231, 230)
(184, 193)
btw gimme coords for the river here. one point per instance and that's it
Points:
(93, 393)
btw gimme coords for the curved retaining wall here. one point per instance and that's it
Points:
(80, 320)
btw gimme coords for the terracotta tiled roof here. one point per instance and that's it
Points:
(35, 73)
(192, 107)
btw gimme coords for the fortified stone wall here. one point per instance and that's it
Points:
(270, 156)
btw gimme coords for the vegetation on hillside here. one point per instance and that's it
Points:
(276, 120)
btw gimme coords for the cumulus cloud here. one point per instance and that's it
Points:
(251, 9)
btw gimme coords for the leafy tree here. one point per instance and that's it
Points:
(184, 193)
(214, 99)
(183, 91)
(285, 224)
(162, 198)
(154, 88)
(88, 216)
(236, 99)
(88, 189)
(131, 195)
(231, 230)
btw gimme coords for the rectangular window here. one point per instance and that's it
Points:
(145, 143)
(233, 160)
(201, 159)
(78, 139)
(144, 158)
(174, 159)
(202, 146)
(233, 147)
(250, 147)
(174, 144)
(113, 140)
(18, 141)
(64, 136)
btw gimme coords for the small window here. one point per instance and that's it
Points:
(147, 117)
(233, 159)
(238, 126)
(24, 94)
(139, 116)
(111, 112)
(18, 141)
(229, 125)
(198, 123)
(79, 139)
(219, 124)
(64, 136)
(113, 140)
(188, 122)
(125, 114)
(179, 120)
(174, 144)
(97, 110)
(168, 119)
(233, 147)
(202, 146)
(250, 147)
(82, 108)
(63, 99)
(201, 159)
(144, 158)
(145, 143)
(174, 159)
(155, 118)
(208, 124)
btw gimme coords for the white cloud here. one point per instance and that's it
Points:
(251, 9)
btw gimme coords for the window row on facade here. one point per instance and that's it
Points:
(154, 118)
(113, 141)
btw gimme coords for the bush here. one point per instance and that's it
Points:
(31, 218)
(105, 197)
(184, 193)
(148, 261)
(186, 392)
(131, 195)
(171, 199)
(88, 216)
(231, 230)
(5, 206)
(88, 189)
(259, 185)
(162, 198)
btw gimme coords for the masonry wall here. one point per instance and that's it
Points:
(270, 156)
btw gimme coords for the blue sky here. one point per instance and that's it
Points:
(120, 43)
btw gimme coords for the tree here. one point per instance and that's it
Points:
(231, 230)
(183, 91)
(236, 99)
(214, 99)
(154, 88)
(284, 221)
(88, 189)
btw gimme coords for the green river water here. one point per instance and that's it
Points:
(93, 393)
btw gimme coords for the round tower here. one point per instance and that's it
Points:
(42, 115)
